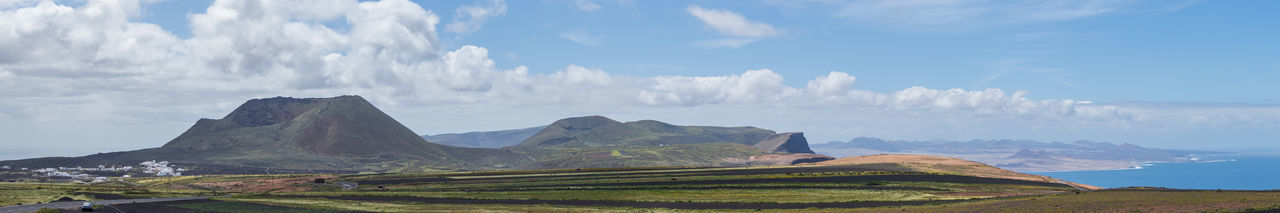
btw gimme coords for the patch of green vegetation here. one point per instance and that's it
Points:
(47, 210)
(30, 193)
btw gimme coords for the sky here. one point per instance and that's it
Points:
(82, 77)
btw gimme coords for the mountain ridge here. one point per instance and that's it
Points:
(349, 134)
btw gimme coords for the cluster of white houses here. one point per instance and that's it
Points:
(161, 168)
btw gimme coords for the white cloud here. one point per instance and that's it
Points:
(578, 75)
(835, 83)
(467, 19)
(582, 37)
(752, 86)
(586, 5)
(731, 24)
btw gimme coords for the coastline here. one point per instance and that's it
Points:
(1136, 166)
(1227, 172)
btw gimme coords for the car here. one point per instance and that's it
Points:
(86, 207)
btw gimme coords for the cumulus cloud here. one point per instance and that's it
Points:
(578, 75)
(467, 19)
(750, 87)
(731, 24)
(833, 84)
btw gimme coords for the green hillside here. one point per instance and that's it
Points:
(597, 131)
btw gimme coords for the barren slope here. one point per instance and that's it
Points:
(947, 165)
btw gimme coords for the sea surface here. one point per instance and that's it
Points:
(1251, 172)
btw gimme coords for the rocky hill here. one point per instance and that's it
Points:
(791, 142)
(339, 126)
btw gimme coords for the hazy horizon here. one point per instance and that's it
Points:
(86, 77)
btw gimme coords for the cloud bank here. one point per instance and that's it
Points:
(391, 53)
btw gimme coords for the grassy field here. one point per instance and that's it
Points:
(668, 188)
(815, 188)
(31, 193)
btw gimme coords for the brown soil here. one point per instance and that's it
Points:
(265, 185)
(929, 163)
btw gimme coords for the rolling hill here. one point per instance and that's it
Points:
(485, 139)
(597, 141)
(599, 131)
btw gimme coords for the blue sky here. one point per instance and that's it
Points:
(1172, 74)
(1161, 51)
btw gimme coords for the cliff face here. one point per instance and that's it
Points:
(780, 160)
(792, 142)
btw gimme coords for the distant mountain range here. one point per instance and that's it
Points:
(348, 134)
(485, 139)
(1019, 155)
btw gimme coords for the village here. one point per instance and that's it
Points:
(101, 173)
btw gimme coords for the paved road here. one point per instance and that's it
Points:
(76, 204)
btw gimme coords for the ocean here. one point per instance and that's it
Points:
(1250, 172)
